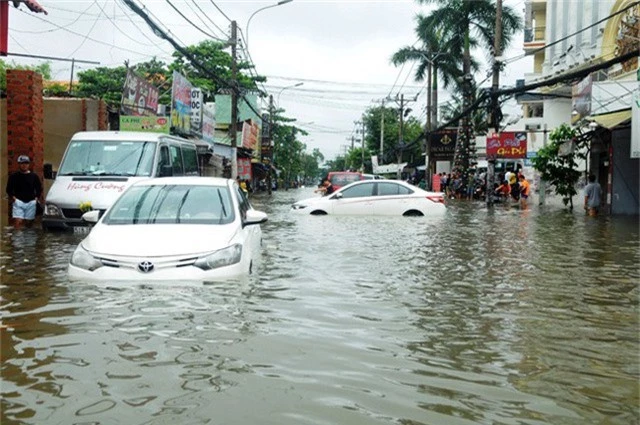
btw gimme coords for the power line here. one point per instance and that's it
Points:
(192, 24)
(220, 10)
(546, 46)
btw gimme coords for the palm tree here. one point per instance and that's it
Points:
(476, 18)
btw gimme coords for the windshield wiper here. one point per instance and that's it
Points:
(75, 173)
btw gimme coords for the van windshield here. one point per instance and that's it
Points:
(108, 158)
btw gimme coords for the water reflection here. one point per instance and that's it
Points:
(500, 316)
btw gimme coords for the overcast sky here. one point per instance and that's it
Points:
(338, 49)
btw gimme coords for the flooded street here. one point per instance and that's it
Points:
(479, 317)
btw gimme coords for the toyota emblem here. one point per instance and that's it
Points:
(145, 266)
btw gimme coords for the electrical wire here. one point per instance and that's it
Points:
(220, 10)
(210, 20)
(192, 24)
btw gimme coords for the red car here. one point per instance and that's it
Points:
(343, 178)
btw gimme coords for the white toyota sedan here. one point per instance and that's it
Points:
(172, 228)
(375, 197)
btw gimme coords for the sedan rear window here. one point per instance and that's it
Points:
(172, 204)
(392, 189)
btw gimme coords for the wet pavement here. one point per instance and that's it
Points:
(478, 317)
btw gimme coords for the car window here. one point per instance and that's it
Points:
(190, 161)
(385, 189)
(358, 191)
(172, 204)
(176, 160)
(243, 201)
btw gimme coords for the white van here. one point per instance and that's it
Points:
(98, 166)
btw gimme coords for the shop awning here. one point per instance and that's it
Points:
(611, 119)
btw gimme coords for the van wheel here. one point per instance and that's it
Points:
(318, 212)
(413, 213)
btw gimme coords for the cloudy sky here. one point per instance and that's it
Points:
(338, 49)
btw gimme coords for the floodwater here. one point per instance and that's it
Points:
(479, 317)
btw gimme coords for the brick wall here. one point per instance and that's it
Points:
(25, 119)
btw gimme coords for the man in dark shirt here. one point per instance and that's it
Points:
(24, 189)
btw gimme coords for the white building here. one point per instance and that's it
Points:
(565, 37)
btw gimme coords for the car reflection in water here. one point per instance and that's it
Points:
(176, 228)
(375, 197)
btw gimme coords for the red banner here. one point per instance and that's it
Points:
(250, 131)
(244, 168)
(507, 145)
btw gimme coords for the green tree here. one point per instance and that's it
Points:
(102, 83)
(43, 69)
(474, 24)
(556, 162)
(211, 54)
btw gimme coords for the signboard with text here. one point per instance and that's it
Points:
(137, 123)
(244, 168)
(181, 104)
(196, 111)
(250, 131)
(208, 122)
(508, 144)
(138, 96)
(443, 144)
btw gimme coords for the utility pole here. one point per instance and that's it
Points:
(357, 124)
(427, 141)
(382, 133)
(271, 142)
(235, 91)
(542, 188)
(363, 145)
(400, 137)
(495, 107)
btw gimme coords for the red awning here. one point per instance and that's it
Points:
(33, 5)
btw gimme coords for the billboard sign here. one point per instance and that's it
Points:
(208, 122)
(508, 144)
(443, 144)
(139, 98)
(244, 168)
(196, 111)
(250, 131)
(138, 123)
(181, 104)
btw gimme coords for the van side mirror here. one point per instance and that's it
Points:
(47, 171)
(166, 170)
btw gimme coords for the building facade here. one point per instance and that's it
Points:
(566, 38)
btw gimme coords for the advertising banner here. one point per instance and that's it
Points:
(208, 122)
(250, 131)
(244, 168)
(181, 104)
(507, 144)
(443, 144)
(137, 123)
(139, 98)
(196, 111)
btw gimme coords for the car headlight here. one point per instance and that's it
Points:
(223, 257)
(82, 259)
(52, 210)
(298, 206)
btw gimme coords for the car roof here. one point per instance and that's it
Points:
(185, 180)
(129, 136)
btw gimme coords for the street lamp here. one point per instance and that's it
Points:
(246, 31)
(287, 87)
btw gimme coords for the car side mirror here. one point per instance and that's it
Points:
(91, 216)
(255, 217)
(337, 195)
(166, 170)
(47, 171)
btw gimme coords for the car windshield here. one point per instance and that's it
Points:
(172, 204)
(108, 158)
